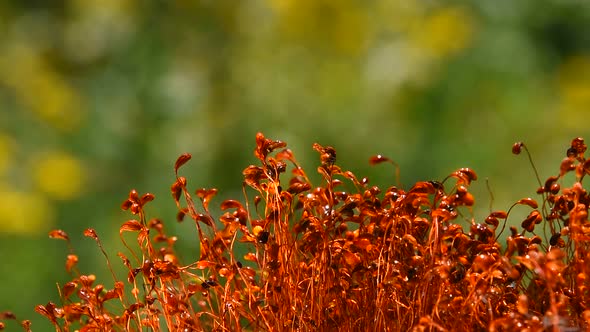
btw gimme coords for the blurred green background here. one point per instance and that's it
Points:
(100, 96)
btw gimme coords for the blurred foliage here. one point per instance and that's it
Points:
(101, 96)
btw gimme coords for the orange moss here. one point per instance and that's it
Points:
(344, 256)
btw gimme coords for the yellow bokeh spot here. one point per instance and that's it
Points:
(340, 26)
(444, 32)
(573, 87)
(574, 81)
(24, 213)
(40, 88)
(59, 175)
(55, 102)
(280, 5)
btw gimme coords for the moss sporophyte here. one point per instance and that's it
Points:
(343, 255)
